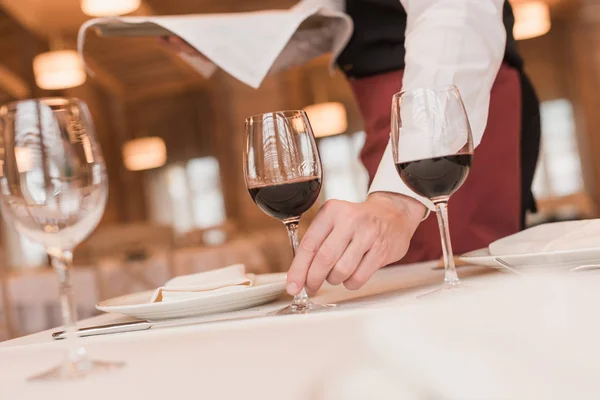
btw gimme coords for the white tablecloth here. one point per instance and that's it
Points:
(261, 358)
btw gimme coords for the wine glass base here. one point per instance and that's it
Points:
(443, 290)
(77, 370)
(305, 308)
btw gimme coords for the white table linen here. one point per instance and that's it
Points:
(266, 358)
(503, 337)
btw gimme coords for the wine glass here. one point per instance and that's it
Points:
(283, 174)
(432, 149)
(53, 188)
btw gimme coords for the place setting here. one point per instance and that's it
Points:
(205, 297)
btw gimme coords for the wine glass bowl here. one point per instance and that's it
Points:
(53, 188)
(283, 175)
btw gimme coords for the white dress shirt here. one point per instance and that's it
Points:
(459, 42)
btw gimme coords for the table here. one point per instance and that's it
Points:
(283, 357)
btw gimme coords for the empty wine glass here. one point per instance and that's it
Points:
(283, 174)
(433, 148)
(53, 188)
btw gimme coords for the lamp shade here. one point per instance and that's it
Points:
(60, 69)
(532, 19)
(144, 153)
(327, 119)
(109, 8)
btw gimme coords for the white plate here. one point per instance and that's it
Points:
(267, 287)
(565, 259)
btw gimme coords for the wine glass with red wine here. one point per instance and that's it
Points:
(283, 174)
(433, 148)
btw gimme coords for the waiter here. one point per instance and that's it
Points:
(402, 45)
(406, 44)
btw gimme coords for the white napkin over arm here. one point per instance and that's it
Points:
(246, 45)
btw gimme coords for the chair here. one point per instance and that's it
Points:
(192, 260)
(7, 330)
(130, 257)
(33, 295)
(213, 236)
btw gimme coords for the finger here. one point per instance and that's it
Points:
(316, 234)
(327, 256)
(348, 262)
(370, 263)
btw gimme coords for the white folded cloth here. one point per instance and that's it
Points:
(220, 280)
(246, 45)
(558, 236)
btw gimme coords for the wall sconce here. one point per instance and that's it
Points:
(327, 119)
(144, 153)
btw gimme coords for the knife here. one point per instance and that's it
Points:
(142, 325)
(107, 329)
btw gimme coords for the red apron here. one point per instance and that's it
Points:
(488, 205)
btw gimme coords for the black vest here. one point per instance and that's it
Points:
(377, 44)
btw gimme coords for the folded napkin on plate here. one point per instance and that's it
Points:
(245, 45)
(569, 235)
(197, 285)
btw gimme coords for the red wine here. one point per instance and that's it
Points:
(435, 178)
(289, 199)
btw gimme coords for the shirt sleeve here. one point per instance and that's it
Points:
(458, 42)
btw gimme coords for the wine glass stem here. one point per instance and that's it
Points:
(450, 275)
(62, 262)
(301, 299)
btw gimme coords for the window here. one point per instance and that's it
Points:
(559, 169)
(205, 187)
(558, 181)
(19, 251)
(344, 176)
(187, 196)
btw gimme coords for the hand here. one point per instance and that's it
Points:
(347, 242)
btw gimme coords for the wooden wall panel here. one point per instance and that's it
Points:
(184, 121)
(545, 63)
(564, 64)
(583, 46)
(96, 100)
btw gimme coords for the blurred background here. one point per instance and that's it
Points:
(173, 143)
